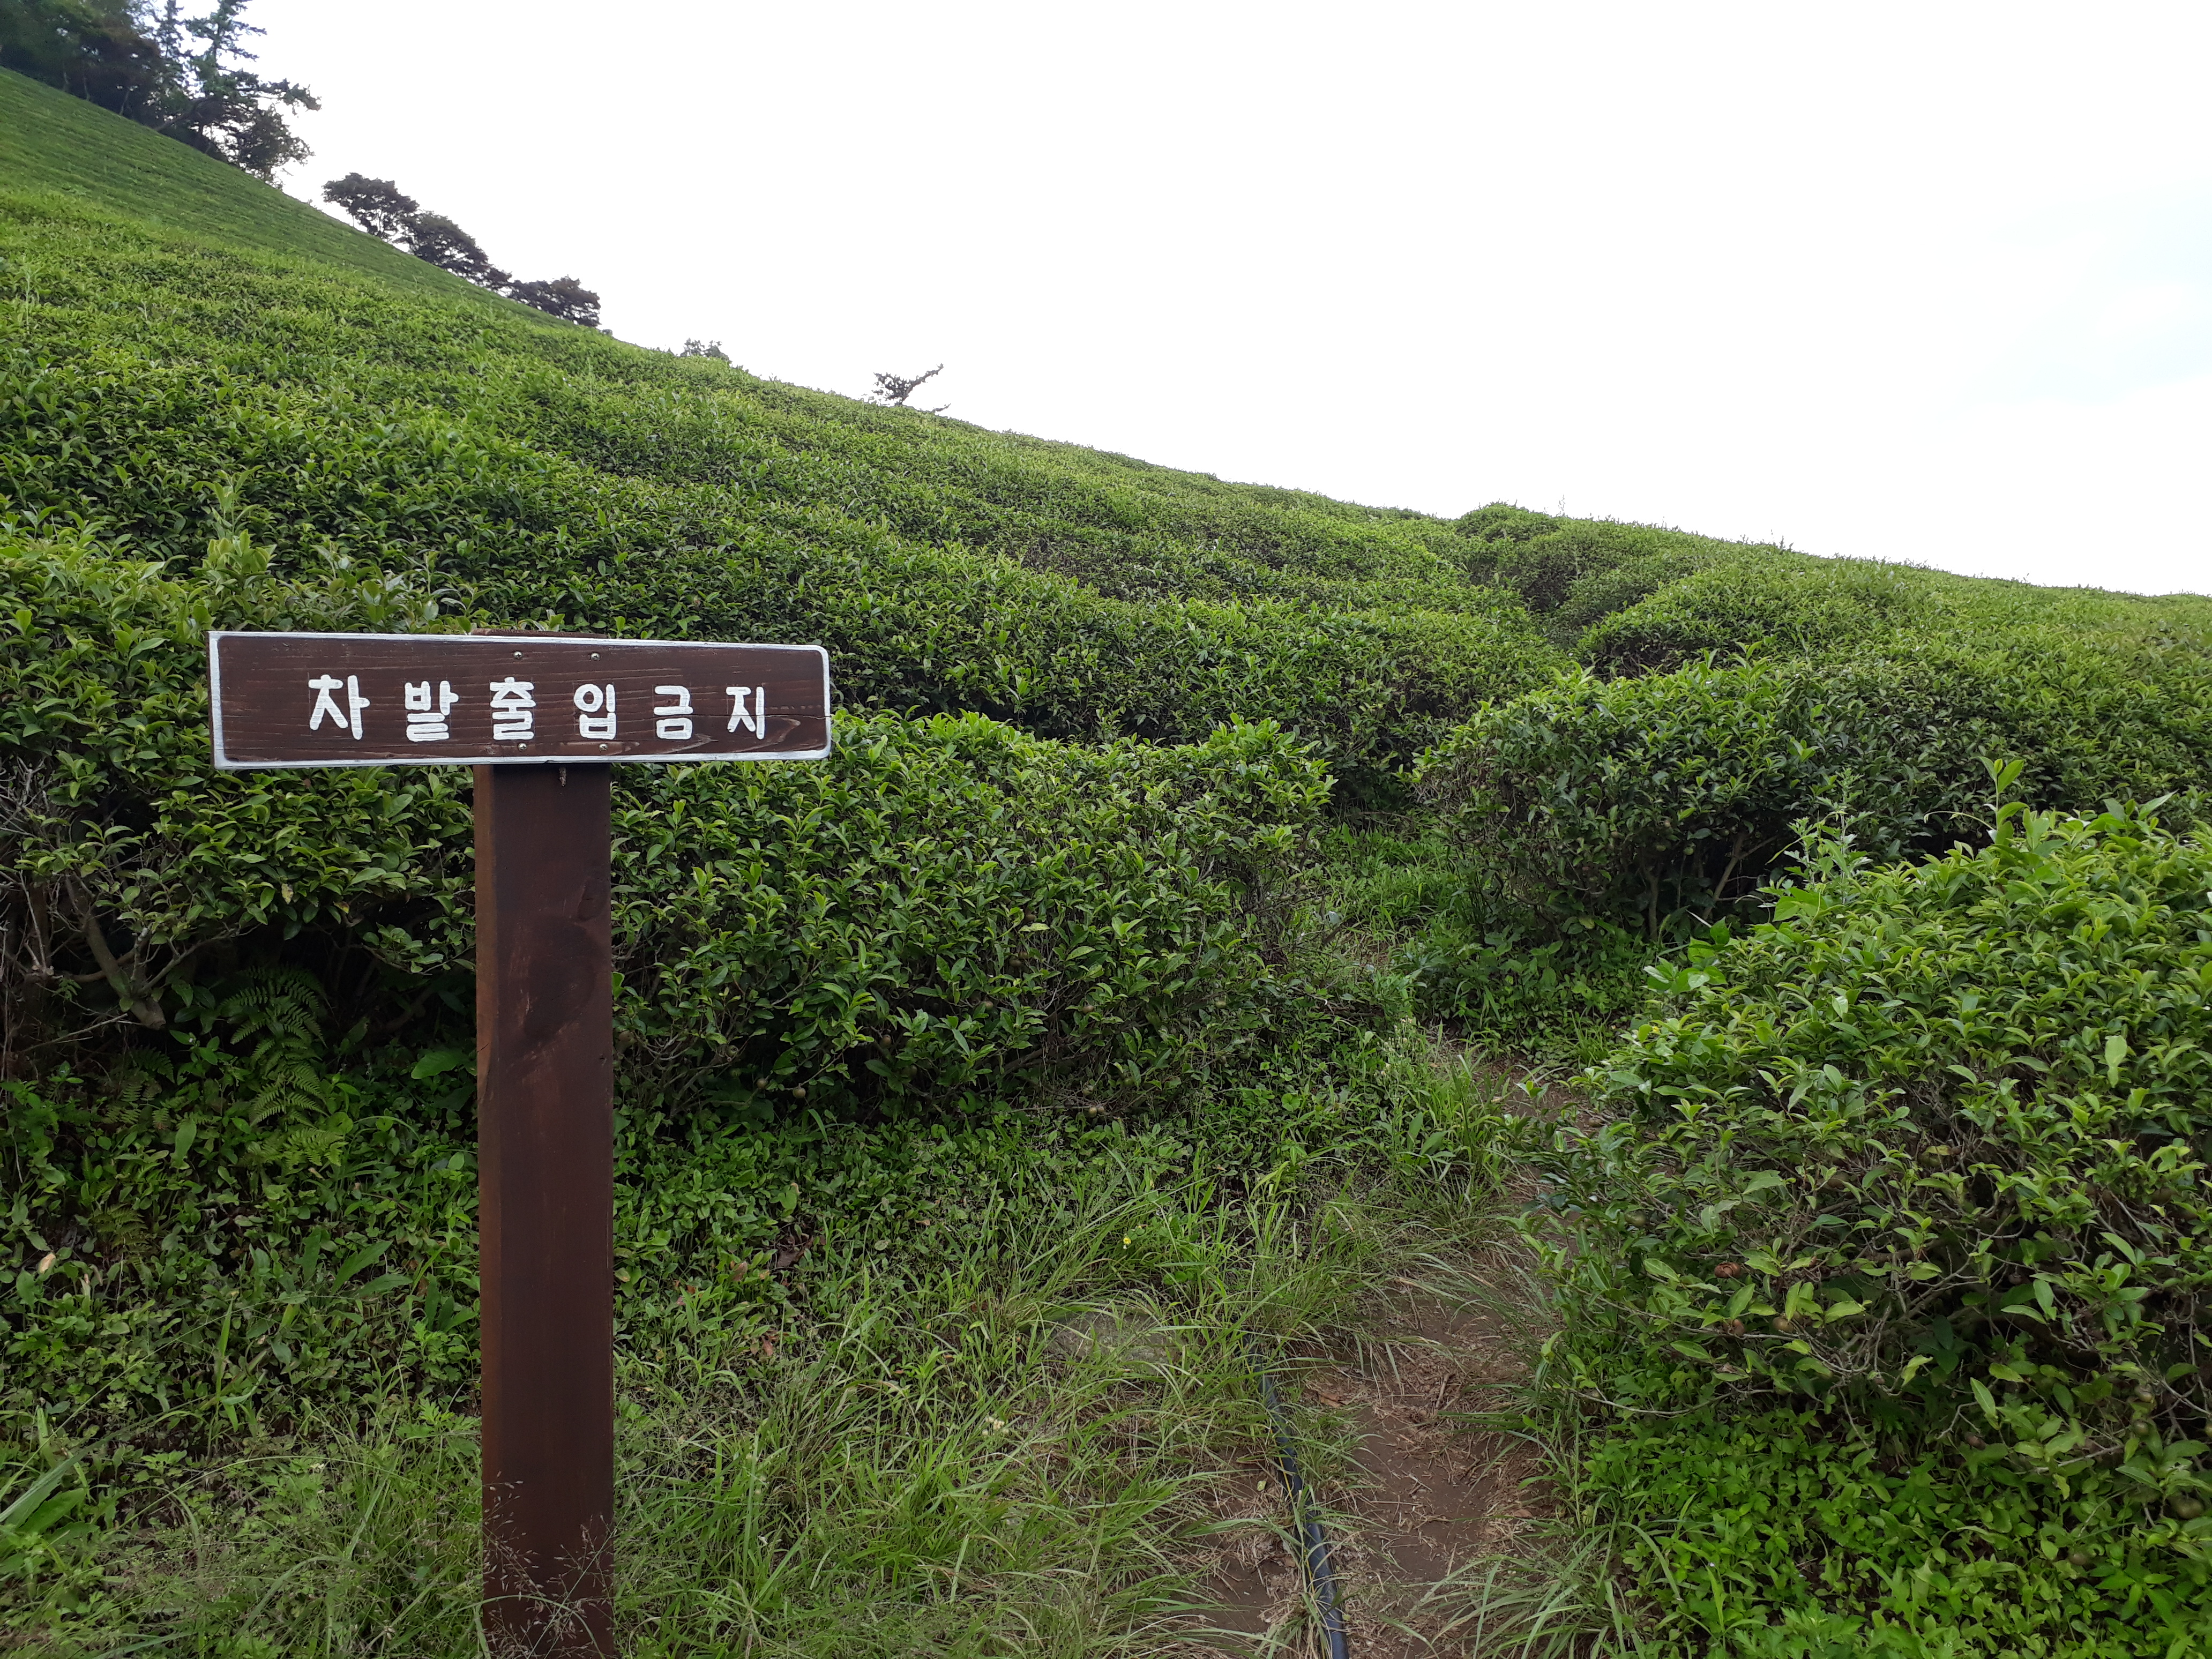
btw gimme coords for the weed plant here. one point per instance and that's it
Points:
(1457, 952)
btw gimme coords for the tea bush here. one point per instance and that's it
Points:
(951, 908)
(1794, 608)
(1760, 688)
(1570, 573)
(1668, 796)
(1762, 603)
(899, 883)
(1924, 1156)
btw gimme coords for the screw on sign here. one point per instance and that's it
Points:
(541, 718)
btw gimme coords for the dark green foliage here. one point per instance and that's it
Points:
(435, 237)
(230, 1228)
(1569, 573)
(184, 77)
(564, 297)
(1802, 1538)
(950, 908)
(117, 825)
(1927, 1152)
(1668, 796)
(379, 206)
(90, 50)
(895, 389)
(779, 917)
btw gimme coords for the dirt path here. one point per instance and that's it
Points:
(1420, 1506)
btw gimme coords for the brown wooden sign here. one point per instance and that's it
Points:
(294, 700)
(508, 704)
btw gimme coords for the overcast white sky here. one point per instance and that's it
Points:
(1926, 282)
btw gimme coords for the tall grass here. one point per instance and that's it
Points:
(1010, 1439)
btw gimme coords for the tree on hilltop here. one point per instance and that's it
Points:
(379, 207)
(433, 237)
(184, 76)
(893, 390)
(564, 297)
(217, 105)
(94, 52)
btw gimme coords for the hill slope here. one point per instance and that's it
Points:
(370, 405)
(50, 143)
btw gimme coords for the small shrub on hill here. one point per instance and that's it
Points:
(1502, 524)
(953, 908)
(1917, 1170)
(1792, 608)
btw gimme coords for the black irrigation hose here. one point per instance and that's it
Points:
(1321, 1571)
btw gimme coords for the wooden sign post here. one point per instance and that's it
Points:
(541, 718)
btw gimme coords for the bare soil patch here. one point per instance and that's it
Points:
(1418, 1501)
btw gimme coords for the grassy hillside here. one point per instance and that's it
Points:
(50, 143)
(1173, 824)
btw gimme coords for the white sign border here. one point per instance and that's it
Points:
(223, 764)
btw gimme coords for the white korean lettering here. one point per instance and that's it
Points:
(673, 724)
(427, 721)
(590, 700)
(511, 704)
(753, 720)
(322, 685)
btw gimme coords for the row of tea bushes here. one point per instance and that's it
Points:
(1100, 903)
(239, 1004)
(1669, 796)
(162, 392)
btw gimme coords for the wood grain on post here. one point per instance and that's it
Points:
(545, 1139)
